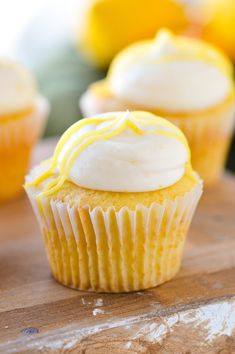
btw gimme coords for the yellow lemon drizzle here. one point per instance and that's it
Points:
(199, 50)
(116, 127)
(74, 128)
(157, 120)
(90, 136)
(65, 137)
(191, 50)
(119, 130)
(93, 136)
(199, 56)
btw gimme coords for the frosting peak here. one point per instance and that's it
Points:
(17, 88)
(171, 73)
(119, 151)
(163, 45)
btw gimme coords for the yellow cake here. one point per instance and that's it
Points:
(115, 202)
(22, 119)
(184, 80)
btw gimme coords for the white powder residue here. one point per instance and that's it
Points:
(217, 319)
(210, 321)
(94, 302)
(85, 301)
(98, 302)
(128, 345)
(97, 311)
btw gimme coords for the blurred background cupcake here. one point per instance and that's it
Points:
(23, 114)
(182, 79)
(76, 51)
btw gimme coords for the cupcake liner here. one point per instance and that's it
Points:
(17, 138)
(209, 138)
(115, 251)
(24, 130)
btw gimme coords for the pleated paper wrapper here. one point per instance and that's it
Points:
(115, 251)
(27, 129)
(17, 139)
(209, 137)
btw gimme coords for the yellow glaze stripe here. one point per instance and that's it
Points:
(190, 49)
(63, 140)
(116, 126)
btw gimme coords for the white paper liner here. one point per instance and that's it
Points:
(25, 130)
(209, 139)
(218, 124)
(115, 251)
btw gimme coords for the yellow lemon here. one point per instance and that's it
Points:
(219, 27)
(106, 26)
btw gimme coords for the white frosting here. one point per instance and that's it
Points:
(17, 88)
(164, 74)
(129, 162)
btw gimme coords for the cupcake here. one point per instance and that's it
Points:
(182, 79)
(23, 114)
(115, 202)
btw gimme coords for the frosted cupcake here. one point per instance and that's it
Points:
(184, 80)
(115, 202)
(22, 118)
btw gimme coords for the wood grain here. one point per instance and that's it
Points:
(194, 313)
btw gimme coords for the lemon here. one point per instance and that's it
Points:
(219, 26)
(106, 26)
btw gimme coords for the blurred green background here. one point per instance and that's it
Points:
(62, 79)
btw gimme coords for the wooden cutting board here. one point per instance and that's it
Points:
(194, 313)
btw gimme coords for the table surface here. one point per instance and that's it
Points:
(194, 313)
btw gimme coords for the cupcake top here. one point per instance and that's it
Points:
(118, 152)
(171, 73)
(17, 88)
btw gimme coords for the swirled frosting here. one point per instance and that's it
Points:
(171, 73)
(17, 88)
(119, 151)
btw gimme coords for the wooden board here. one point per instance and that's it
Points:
(194, 313)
